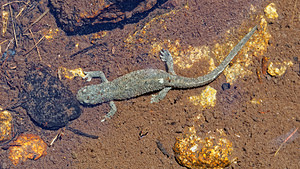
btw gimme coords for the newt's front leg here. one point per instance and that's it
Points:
(100, 74)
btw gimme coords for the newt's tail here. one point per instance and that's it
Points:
(184, 82)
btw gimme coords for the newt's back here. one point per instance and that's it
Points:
(124, 87)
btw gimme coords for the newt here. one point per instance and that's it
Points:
(144, 81)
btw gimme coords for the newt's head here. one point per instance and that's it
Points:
(94, 94)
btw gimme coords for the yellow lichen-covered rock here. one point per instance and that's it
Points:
(69, 73)
(270, 11)
(212, 150)
(207, 98)
(51, 34)
(256, 101)
(26, 146)
(278, 69)
(6, 125)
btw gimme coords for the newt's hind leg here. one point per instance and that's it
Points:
(165, 56)
(100, 74)
(162, 94)
(113, 110)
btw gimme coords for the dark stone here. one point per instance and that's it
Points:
(47, 101)
(225, 86)
(89, 16)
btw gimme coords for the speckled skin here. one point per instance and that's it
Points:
(144, 81)
(130, 85)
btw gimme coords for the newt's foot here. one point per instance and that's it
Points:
(166, 56)
(87, 76)
(93, 74)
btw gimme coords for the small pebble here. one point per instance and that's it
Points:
(74, 155)
(296, 59)
(4, 165)
(225, 86)
(179, 129)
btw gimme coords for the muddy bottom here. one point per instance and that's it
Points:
(258, 112)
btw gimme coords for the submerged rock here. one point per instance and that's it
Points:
(84, 15)
(197, 150)
(47, 101)
(6, 125)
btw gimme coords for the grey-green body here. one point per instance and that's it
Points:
(145, 81)
(138, 83)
